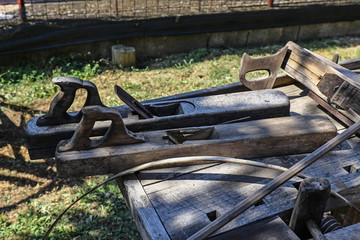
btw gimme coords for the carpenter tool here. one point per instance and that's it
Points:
(201, 111)
(333, 83)
(83, 155)
(338, 86)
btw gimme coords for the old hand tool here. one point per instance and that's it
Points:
(119, 149)
(68, 86)
(191, 112)
(333, 83)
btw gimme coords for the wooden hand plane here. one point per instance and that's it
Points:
(44, 133)
(120, 149)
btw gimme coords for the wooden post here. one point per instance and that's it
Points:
(123, 55)
(310, 205)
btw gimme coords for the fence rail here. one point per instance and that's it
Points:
(32, 10)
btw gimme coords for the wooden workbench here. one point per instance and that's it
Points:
(174, 203)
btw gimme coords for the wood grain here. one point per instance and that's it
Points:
(260, 138)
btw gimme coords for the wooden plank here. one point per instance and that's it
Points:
(288, 135)
(272, 228)
(153, 176)
(301, 104)
(183, 202)
(351, 64)
(146, 218)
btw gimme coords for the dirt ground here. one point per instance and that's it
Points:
(20, 178)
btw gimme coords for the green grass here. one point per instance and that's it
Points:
(26, 89)
(101, 215)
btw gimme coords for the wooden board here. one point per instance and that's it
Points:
(273, 228)
(141, 208)
(309, 68)
(183, 196)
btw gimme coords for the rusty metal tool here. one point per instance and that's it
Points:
(133, 103)
(271, 64)
(68, 86)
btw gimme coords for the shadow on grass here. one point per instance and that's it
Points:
(14, 157)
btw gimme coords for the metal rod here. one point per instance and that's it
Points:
(274, 184)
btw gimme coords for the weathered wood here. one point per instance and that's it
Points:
(271, 64)
(184, 195)
(282, 79)
(346, 216)
(276, 136)
(310, 205)
(328, 80)
(314, 230)
(191, 112)
(351, 64)
(123, 55)
(272, 228)
(193, 191)
(147, 220)
(275, 183)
